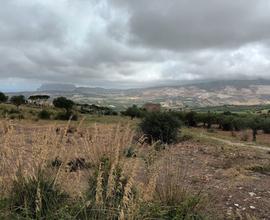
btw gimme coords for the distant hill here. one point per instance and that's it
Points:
(211, 93)
(56, 87)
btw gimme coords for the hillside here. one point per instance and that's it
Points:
(213, 93)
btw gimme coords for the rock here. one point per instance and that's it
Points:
(237, 205)
(252, 194)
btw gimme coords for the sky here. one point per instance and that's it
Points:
(128, 43)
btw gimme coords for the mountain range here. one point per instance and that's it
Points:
(210, 93)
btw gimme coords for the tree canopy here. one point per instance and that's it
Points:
(3, 97)
(62, 102)
(18, 100)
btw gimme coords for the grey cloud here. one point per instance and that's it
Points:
(192, 24)
(29, 23)
(129, 43)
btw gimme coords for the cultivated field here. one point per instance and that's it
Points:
(107, 171)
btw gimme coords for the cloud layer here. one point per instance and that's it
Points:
(132, 43)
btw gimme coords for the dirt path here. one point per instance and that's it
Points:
(238, 144)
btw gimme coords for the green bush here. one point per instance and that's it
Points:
(63, 102)
(44, 114)
(162, 127)
(134, 112)
(18, 100)
(191, 119)
(66, 116)
(227, 123)
(3, 97)
(266, 126)
(36, 198)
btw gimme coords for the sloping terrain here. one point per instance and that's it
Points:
(218, 93)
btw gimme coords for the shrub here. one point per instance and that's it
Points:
(62, 102)
(238, 123)
(3, 97)
(162, 127)
(255, 124)
(134, 112)
(266, 126)
(36, 197)
(227, 123)
(18, 100)
(44, 114)
(191, 119)
(66, 116)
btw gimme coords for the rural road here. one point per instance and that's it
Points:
(238, 144)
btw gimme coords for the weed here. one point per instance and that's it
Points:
(36, 197)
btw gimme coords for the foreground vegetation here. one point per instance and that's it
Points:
(141, 165)
(85, 173)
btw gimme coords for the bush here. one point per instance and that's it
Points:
(191, 119)
(3, 97)
(266, 126)
(62, 102)
(66, 116)
(44, 114)
(134, 112)
(162, 127)
(227, 123)
(36, 197)
(18, 100)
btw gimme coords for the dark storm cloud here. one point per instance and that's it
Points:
(126, 42)
(192, 24)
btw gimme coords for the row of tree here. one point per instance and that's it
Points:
(227, 121)
(16, 100)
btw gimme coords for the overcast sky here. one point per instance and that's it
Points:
(131, 43)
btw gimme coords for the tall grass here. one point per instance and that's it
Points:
(111, 186)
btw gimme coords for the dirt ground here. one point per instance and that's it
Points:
(224, 176)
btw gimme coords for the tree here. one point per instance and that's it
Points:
(18, 100)
(162, 127)
(255, 124)
(227, 123)
(191, 119)
(62, 102)
(36, 99)
(3, 97)
(133, 112)
(266, 126)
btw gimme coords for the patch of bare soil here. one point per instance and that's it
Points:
(224, 176)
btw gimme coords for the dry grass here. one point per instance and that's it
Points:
(117, 189)
(30, 148)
